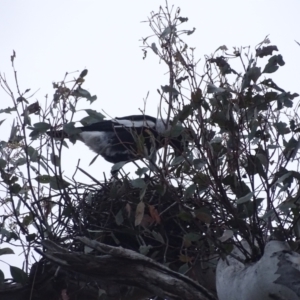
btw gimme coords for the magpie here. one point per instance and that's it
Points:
(125, 139)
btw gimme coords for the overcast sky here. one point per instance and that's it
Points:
(58, 36)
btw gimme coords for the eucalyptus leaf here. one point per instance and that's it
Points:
(42, 126)
(57, 183)
(1, 278)
(138, 183)
(2, 163)
(245, 198)
(6, 251)
(141, 171)
(177, 160)
(55, 160)
(43, 178)
(190, 190)
(171, 90)
(18, 275)
(94, 114)
(118, 166)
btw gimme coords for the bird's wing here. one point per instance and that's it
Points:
(137, 121)
(119, 124)
(103, 126)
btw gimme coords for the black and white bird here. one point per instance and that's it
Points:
(125, 139)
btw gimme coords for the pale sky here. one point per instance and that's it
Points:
(58, 36)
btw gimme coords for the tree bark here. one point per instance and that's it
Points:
(128, 268)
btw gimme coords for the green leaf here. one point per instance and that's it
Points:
(285, 99)
(2, 163)
(202, 180)
(227, 234)
(269, 214)
(31, 237)
(282, 128)
(154, 48)
(118, 166)
(190, 190)
(94, 114)
(171, 90)
(13, 133)
(247, 209)
(189, 32)
(55, 160)
(271, 66)
(83, 73)
(192, 237)
(138, 183)
(33, 154)
(6, 251)
(203, 214)
(177, 160)
(93, 160)
(43, 178)
(252, 74)
(152, 160)
(182, 19)
(70, 128)
(291, 148)
(238, 187)
(211, 88)
(145, 249)
(15, 188)
(42, 126)
(27, 220)
(270, 83)
(57, 183)
(92, 99)
(185, 216)
(20, 161)
(80, 92)
(158, 236)
(9, 235)
(264, 51)
(88, 121)
(185, 112)
(199, 163)
(176, 130)
(222, 64)
(184, 268)
(254, 166)
(245, 198)
(18, 275)
(34, 134)
(283, 177)
(7, 110)
(1, 278)
(27, 119)
(167, 31)
(72, 107)
(141, 171)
